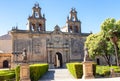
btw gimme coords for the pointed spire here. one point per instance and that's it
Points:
(36, 5)
(67, 18)
(43, 15)
(74, 10)
(71, 10)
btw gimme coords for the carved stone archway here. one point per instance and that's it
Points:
(58, 60)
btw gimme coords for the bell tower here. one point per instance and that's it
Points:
(73, 24)
(36, 22)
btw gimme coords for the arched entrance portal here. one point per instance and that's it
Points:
(58, 60)
(5, 64)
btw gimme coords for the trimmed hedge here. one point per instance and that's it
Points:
(76, 69)
(7, 75)
(36, 71)
(17, 72)
(104, 71)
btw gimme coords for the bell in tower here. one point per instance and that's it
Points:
(36, 22)
(73, 24)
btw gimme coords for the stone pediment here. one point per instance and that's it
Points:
(57, 30)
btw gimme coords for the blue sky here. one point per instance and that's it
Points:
(90, 12)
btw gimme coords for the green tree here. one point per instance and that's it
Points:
(103, 42)
(98, 46)
(92, 45)
(111, 29)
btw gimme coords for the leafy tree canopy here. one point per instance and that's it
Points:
(99, 43)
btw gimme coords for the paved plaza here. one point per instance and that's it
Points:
(64, 75)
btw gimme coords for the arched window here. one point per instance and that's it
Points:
(76, 29)
(33, 27)
(40, 27)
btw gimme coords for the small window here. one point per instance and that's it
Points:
(36, 15)
(73, 18)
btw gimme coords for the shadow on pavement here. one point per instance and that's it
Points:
(48, 76)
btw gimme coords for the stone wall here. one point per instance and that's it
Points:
(5, 57)
(43, 47)
(77, 48)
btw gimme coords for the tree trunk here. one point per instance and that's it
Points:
(114, 41)
(116, 53)
(107, 59)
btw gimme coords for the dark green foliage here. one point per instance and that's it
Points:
(7, 75)
(94, 69)
(105, 70)
(37, 70)
(76, 69)
(116, 69)
(17, 72)
(79, 69)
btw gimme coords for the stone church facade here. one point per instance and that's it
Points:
(60, 46)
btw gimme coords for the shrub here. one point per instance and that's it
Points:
(76, 69)
(36, 71)
(104, 71)
(17, 72)
(7, 75)
(116, 69)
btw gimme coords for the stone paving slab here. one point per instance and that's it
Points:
(64, 75)
(56, 74)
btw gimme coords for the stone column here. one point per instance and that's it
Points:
(87, 70)
(24, 72)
